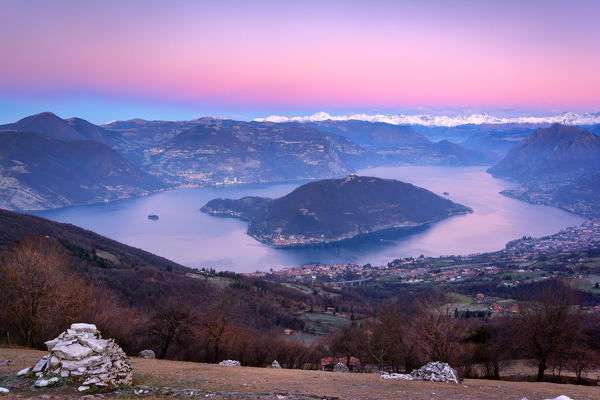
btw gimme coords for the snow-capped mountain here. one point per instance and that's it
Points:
(568, 118)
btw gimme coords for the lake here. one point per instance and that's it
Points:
(185, 235)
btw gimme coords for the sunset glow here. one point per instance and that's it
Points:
(254, 58)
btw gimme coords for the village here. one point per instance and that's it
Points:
(570, 253)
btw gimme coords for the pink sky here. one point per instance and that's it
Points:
(281, 55)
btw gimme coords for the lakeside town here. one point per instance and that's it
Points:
(564, 254)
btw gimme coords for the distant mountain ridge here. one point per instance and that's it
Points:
(334, 210)
(150, 155)
(556, 166)
(50, 125)
(402, 144)
(223, 150)
(567, 118)
(39, 172)
(551, 153)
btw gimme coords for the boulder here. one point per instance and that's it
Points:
(275, 364)
(4, 390)
(80, 327)
(229, 363)
(339, 367)
(41, 383)
(73, 351)
(147, 354)
(435, 372)
(81, 353)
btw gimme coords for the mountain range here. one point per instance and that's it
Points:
(50, 162)
(218, 151)
(402, 144)
(567, 118)
(333, 210)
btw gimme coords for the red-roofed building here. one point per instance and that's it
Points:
(327, 363)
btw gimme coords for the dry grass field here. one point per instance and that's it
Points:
(211, 381)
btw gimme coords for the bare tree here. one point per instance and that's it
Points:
(217, 323)
(172, 321)
(437, 332)
(39, 289)
(547, 327)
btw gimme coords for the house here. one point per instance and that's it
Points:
(327, 363)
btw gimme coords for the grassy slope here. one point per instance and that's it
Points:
(245, 382)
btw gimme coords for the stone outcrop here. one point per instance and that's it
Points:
(275, 364)
(229, 363)
(434, 371)
(339, 367)
(147, 354)
(81, 353)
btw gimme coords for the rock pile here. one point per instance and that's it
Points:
(81, 353)
(435, 372)
(275, 364)
(229, 363)
(147, 354)
(339, 367)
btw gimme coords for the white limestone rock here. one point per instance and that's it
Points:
(435, 372)
(98, 345)
(339, 367)
(395, 376)
(4, 390)
(41, 383)
(147, 354)
(229, 363)
(24, 372)
(275, 364)
(80, 352)
(73, 351)
(80, 327)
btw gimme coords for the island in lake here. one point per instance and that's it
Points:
(335, 210)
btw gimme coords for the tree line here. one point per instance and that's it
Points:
(43, 291)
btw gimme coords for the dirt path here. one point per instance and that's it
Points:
(210, 381)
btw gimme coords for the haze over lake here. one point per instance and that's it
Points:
(185, 235)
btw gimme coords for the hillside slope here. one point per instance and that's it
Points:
(556, 166)
(212, 381)
(228, 151)
(38, 172)
(52, 126)
(550, 155)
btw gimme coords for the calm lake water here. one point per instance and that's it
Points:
(190, 237)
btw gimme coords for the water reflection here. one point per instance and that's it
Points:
(187, 236)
